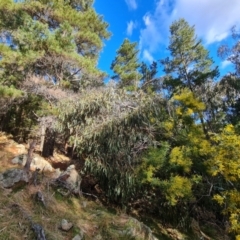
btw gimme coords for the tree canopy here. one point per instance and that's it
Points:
(125, 65)
(58, 40)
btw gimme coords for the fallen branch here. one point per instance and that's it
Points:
(89, 194)
(3, 229)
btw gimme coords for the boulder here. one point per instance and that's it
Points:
(60, 161)
(65, 225)
(72, 178)
(39, 231)
(14, 176)
(137, 229)
(20, 159)
(56, 173)
(38, 162)
(78, 237)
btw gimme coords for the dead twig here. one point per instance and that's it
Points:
(3, 229)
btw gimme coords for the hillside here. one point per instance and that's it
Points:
(21, 210)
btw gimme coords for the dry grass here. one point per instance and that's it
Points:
(8, 150)
(16, 208)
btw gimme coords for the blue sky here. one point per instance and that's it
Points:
(147, 22)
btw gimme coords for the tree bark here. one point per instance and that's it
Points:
(30, 155)
(43, 132)
(49, 141)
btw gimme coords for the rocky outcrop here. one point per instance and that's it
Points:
(12, 177)
(71, 179)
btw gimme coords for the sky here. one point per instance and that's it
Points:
(147, 23)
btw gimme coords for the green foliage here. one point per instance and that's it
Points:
(190, 67)
(149, 81)
(58, 43)
(176, 153)
(20, 119)
(229, 85)
(190, 63)
(176, 188)
(153, 162)
(111, 128)
(225, 164)
(179, 157)
(10, 92)
(226, 157)
(125, 66)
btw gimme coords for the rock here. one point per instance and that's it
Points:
(8, 150)
(13, 176)
(39, 231)
(56, 173)
(20, 159)
(40, 198)
(65, 225)
(84, 204)
(77, 237)
(59, 160)
(137, 230)
(41, 163)
(72, 178)
(37, 162)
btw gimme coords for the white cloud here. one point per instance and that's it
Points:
(151, 35)
(130, 27)
(213, 20)
(132, 4)
(156, 29)
(147, 56)
(225, 64)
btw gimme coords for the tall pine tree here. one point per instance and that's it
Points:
(189, 67)
(190, 64)
(56, 39)
(125, 65)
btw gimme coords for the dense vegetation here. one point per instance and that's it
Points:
(169, 144)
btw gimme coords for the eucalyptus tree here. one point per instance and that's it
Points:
(125, 66)
(110, 129)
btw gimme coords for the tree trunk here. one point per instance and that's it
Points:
(43, 132)
(49, 141)
(30, 155)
